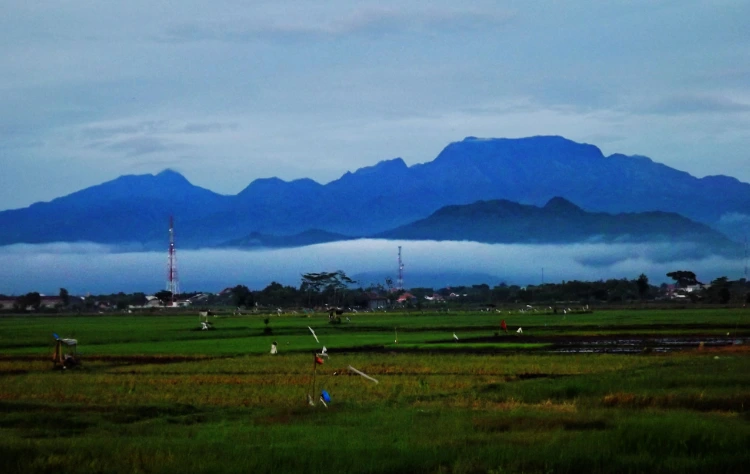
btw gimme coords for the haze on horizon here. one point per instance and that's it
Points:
(84, 268)
(225, 92)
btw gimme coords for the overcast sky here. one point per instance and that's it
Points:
(229, 91)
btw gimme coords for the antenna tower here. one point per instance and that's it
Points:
(400, 283)
(173, 284)
(745, 259)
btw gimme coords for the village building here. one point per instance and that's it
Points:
(376, 301)
(7, 303)
(50, 302)
(406, 298)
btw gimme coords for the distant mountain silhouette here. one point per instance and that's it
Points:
(558, 222)
(127, 209)
(379, 198)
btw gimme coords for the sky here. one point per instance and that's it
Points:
(229, 91)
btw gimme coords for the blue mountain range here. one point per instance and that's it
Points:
(385, 199)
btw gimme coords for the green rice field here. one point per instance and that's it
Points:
(615, 391)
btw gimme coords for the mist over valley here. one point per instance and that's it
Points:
(520, 211)
(101, 269)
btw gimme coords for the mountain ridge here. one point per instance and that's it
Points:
(382, 197)
(505, 222)
(557, 222)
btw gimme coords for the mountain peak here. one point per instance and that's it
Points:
(277, 188)
(389, 167)
(270, 180)
(168, 172)
(561, 205)
(171, 176)
(540, 149)
(261, 185)
(536, 138)
(395, 164)
(131, 182)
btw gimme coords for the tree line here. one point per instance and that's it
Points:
(336, 289)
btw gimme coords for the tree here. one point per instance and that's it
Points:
(526, 295)
(33, 299)
(719, 291)
(276, 294)
(328, 284)
(480, 293)
(138, 299)
(683, 278)
(64, 296)
(724, 295)
(643, 285)
(165, 296)
(501, 292)
(242, 296)
(621, 290)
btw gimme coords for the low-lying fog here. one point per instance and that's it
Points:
(99, 269)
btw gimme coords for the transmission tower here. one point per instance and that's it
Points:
(400, 283)
(173, 284)
(746, 259)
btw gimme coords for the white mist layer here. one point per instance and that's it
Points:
(99, 269)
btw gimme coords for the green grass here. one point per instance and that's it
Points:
(155, 395)
(179, 334)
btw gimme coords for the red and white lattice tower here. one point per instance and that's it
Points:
(400, 283)
(745, 274)
(173, 284)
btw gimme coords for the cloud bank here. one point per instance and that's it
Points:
(99, 269)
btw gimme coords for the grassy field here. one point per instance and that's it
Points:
(155, 394)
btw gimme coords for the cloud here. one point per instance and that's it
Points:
(146, 137)
(57, 248)
(734, 75)
(142, 146)
(696, 104)
(104, 131)
(735, 225)
(138, 127)
(734, 218)
(208, 127)
(363, 21)
(99, 269)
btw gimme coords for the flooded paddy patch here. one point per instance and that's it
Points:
(582, 344)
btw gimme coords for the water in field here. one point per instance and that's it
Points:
(562, 344)
(640, 344)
